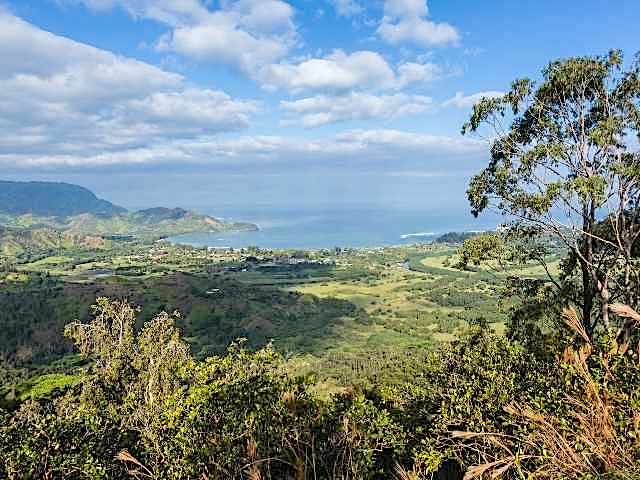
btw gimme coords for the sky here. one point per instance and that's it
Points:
(270, 101)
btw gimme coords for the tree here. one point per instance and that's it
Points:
(563, 165)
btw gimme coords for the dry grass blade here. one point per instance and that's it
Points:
(571, 319)
(587, 444)
(624, 311)
(126, 457)
(404, 474)
(501, 471)
(254, 474)
(252, 469)
(465, 435)
(478, 471)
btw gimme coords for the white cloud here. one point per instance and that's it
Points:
(256, 37)
(50, 63)
(247, 34)
(460, 100)
(347, 8)
(264, 16)
(220, 41)
(172, 12)
(416, 73)
(325, 109)
(340, 71)
(384, 147)
(67, 104)
(59, 97)
(406, 21)
(389, 141)
(203, 110)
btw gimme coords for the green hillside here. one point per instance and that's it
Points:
(147, 224)
(40, 216)
(15, 241)
(49, 199)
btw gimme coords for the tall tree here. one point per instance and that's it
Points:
(565, 162)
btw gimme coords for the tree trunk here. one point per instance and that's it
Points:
(586, 266)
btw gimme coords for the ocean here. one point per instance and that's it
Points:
(305, 228)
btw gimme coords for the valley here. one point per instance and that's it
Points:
(325, 311)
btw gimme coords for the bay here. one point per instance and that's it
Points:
(315, 228)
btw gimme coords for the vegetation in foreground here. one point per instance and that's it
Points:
(145, 408)
(556, 397)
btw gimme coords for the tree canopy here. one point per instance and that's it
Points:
(565, 163)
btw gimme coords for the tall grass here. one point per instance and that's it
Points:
(598, 439)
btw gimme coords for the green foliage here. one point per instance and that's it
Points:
(48, 199)
(34, 314)
(455, 237)
(146, 407)
(466, 387)
(480, 250)
(225, 417)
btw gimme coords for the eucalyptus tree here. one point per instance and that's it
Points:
(565, 163)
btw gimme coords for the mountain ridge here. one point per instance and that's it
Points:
(52, 199)
(77, 212)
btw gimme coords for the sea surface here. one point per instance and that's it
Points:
(313, 228)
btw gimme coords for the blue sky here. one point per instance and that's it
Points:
(300, 91)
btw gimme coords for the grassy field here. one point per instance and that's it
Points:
(411, 308)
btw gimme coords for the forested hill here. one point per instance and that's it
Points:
(150, 224)
(51, 199)
(50, 209)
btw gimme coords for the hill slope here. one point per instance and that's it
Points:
(146, 224)
(15, 241)
(45, 206)
(50, 199)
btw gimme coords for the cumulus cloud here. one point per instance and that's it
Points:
(64, 104)
(460, 100)
(257, 36)
(340, 71)
(62, 98)
(406, 21)
(220, 41)
(46, 65)
(325, 109)
(247, 34)
(415, 73)
(171, 12)
(201, 109)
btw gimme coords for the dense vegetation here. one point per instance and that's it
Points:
(547, 386)
(145, 407)
(48, 199)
